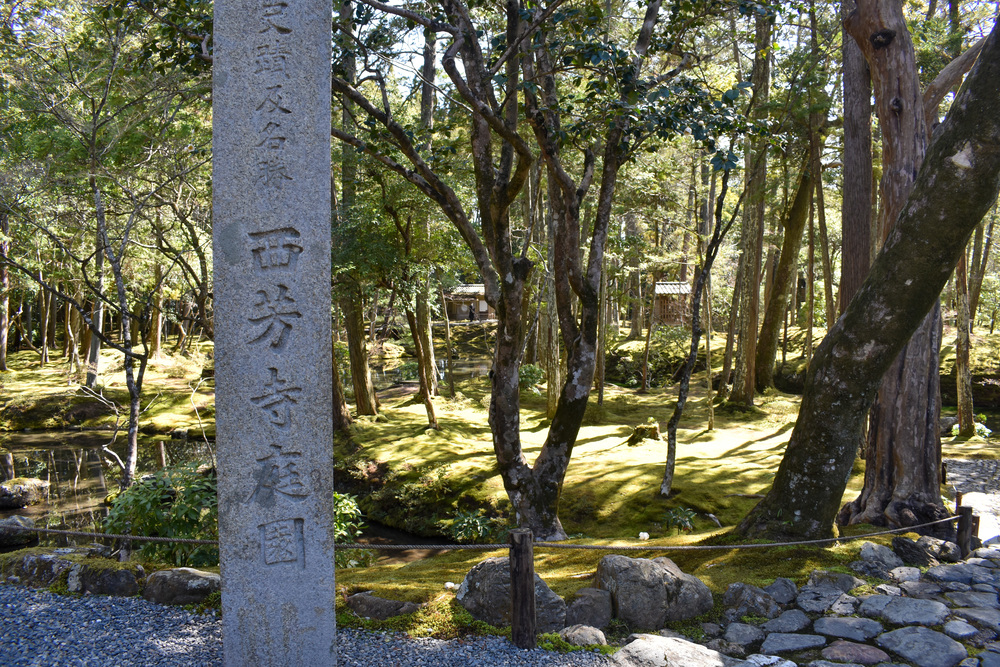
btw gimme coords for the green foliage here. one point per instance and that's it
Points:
(473, 526)
(182, 502)
(347, 527)
(681, 518)
(982, 430)
(177, 501)
(528, 375)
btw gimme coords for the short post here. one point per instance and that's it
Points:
(965, 529)
(975, 527)
(522, 588)
(958, 501)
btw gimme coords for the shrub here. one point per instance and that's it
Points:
(179, 502)
(472, 526)
(528, 375)
(182, 502)
(681, 518)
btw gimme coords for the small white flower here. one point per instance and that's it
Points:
(450, 586)
(643, 536)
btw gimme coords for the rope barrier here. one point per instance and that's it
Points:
(494, 547)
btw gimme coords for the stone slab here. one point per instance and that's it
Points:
(923, 647)
(271, 253)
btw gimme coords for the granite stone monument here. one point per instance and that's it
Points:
(271, 247)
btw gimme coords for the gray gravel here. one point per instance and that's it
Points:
(38, 628)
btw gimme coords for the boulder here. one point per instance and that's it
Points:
(181, 585)
(21, 492)
(857, 629)
(962, 573)
(10, 534)
(485, 594)
(746, 600)
(904, 573)
(862, 654)
(583, 635)
(904, 611)
(37, 570)
(367, 605)
(944, 551)
(818, 599)
(959, 630)
(923, 647)
(876, 561)
(744, 635)
(656, 651)
(732, 649)
(650, 593)
(844, 582)
(122, 581)
(780, 642)
(591, 606)
(973, 599)
(912, 553)
(782, 590)
(792, 620)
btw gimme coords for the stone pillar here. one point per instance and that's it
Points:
(271, 245)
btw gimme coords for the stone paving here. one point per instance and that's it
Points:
(978, 480)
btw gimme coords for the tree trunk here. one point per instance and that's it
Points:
(774, 311)
(753, 224)
(956, 185)
(447, 344)
(341, 413)
(963, 374)
(980, 260)
(856, 209)
(97, 314)
(4, 289)
(904, 425)
(421, 354)
(44, 306)
(156, 316)
(553, 363)
(361, 377)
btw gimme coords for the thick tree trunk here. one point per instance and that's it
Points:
(753, 224)
(553, 363)
(956, 185)
(774, 311)
(856, 209)
(904, 424)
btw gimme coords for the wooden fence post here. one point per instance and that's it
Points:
(522, 588)
(965, 529)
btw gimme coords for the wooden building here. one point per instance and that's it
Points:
(672, 303)
(467, 303)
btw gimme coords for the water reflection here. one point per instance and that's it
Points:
(78, 483)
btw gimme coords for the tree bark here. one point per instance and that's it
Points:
(774, 311)
(963, 374)
(753, 223)
(955, 186)
(856, 209)
(4, 289)
(904, 426)
(421, 354)
(97, 314)
(361, 377)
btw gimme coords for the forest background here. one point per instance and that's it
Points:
(567, 156)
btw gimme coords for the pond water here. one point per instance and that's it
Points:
(78, 484)
(390, 374)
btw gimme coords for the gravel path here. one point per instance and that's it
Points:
(38, 628)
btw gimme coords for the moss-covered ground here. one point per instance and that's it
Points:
(418, 479)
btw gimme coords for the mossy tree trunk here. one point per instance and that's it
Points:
(954, 188)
